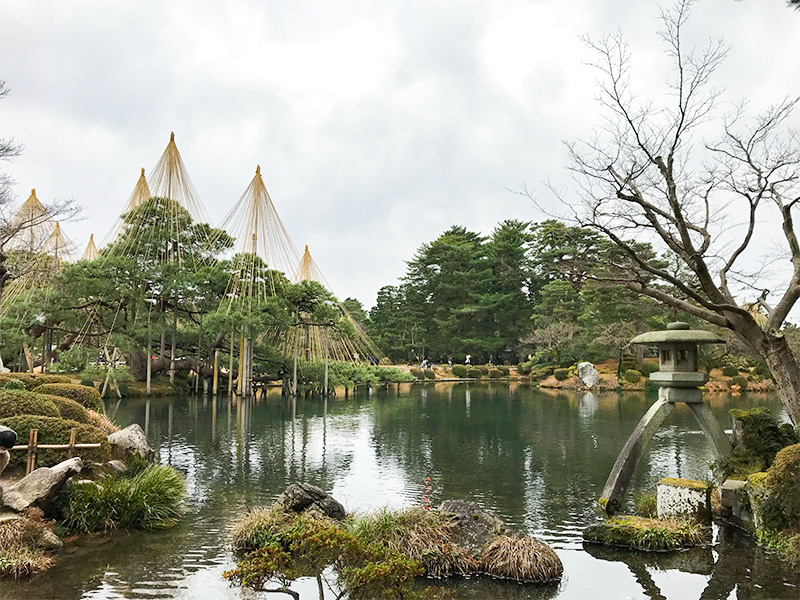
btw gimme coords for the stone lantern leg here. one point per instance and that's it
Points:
(678, 381)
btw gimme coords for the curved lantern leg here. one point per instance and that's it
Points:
(620, 477)
(712, 428)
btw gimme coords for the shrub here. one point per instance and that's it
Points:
(429, 374)
(460, 370)
(648, 368)
(730, 371)
(33, 380)
(87, 381)
(740, 381)
(14, 384)
(88, 397)
(483, 370)
(504, 369)
(542, 372)
(19, 402)
(561, 374)
(474, 373)
(69, 409)
(646, 505)
(150, 499)
(524, 368)
(55, 430)
(758, 436)
(418, 373)
(633, 376)
(762, 370)
(495, 374)
(19, 555)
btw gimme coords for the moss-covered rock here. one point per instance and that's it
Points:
(55, 430)
(88, 397)
(21, 402)
(648, 534)
(757, 437)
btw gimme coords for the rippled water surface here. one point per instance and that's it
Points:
(537, 459)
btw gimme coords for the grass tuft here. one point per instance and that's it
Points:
(648, 534)
(521, 559)
(19, 556)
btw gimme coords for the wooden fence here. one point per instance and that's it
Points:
(34, 446)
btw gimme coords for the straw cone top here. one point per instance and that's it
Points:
(90, 253)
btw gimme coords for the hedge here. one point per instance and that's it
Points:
(495, 374)
(33, 380)
(504, 369)
(429, 374)
(55, 430)
(475, 373)
(19, 402)
(69, 409)
(418, 373)
(85, 396)
(648, 368)
(740, 381)
(540, 373)
(633, 376)
(730, 371)
(524, 368)
(460, 370)
(483, 370)
(561, 374)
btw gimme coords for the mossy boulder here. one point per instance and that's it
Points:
(88, 397)
(55, 430)
(21, 402)
(33, 380)
(648, 534)
(757, 438)
(775, 494)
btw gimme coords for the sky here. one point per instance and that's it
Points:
(377, 125)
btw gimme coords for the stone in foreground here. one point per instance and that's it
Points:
(39, 488)
(302, 497)
(684, 498)
(129, 441)
(475, 527)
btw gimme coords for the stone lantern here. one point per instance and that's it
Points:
(679, 381)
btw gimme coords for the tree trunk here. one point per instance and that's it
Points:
(784, 367)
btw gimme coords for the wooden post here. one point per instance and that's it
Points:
(230, 370)
(71, 450)
(240, 378)
(33, 439)
(149, 352)
(215, 386)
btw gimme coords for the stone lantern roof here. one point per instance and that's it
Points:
(678, 333)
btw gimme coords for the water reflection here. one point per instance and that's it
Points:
(536, 458)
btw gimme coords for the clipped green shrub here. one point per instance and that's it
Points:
(504, 369)
(542, 372)
(88, 397)
(429, 374)
(495, 374)
(55, 430)
(33, 380)
(633, 376)
(739, 380)
(627, 361)
(561, 374)
(418, 373)
(460, 370)
(87, 381)
(14, 384)
(525, 368)
(474, 373)
(730, 371)
(69, 409)
(648, 368)
(483, 370)
(149, 499)
(21, 402)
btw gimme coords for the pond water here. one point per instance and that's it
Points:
(538, 459)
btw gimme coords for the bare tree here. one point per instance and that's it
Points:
(642, 176)
(12, 223)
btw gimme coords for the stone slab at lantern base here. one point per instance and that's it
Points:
(684, 499)
(680, 394)
(679, 379)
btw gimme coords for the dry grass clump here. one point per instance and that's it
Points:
(269, 525)
(102, 422)
(19, 554)
(418, 534)
(522, 559)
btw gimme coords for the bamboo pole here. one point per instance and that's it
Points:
(230, 370)
(215, 386)
(71, 450)
(149, 352)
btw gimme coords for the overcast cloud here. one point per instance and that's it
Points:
(377, 125)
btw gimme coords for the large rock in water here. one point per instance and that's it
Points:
(302, 497)
(587, 374)
(476, 527)
(129, 441)
(39, 488)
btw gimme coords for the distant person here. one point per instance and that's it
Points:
(449, 360)
(468, 359)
